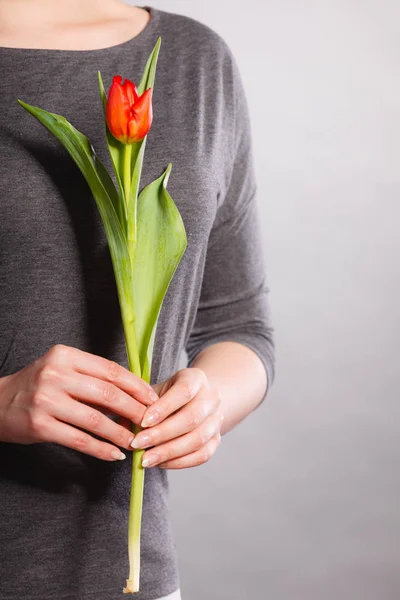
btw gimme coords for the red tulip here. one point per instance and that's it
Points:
(129, 116)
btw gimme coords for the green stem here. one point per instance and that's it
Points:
(131, 349)
(135, 517)
(137, 477)
(136, 161)
(127, 173)
(128, 321)
(128, 316)
(131, 187)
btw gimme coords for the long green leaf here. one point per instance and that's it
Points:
(161, 242)
(138, 149)
(106, 197)
(149, 72)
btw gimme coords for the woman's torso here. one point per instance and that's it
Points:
(63, 518)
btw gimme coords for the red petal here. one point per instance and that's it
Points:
(131, 91)
(141, 117)
(118, 110)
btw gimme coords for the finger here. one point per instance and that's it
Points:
(102, 393)
(123, 421)
(102, 368)
(187, 384)
(186, 444)
(194, 459)
(185, 420)
(73, 412)
(57, 432)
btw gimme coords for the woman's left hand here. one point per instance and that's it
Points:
(182, 427)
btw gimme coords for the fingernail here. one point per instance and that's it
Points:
(150, 460)
(142, 442)
(150, 419)
(130, 442)
(117, 455)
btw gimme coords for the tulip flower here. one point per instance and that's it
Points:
(145, 233)
(129, 116)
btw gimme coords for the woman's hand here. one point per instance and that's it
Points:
(65, 389)
(186, 428)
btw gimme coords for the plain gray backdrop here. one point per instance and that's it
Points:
(302, 500)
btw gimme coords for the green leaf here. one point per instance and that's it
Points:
(161, 243)
(149, 72)
(106, 197)
(138, 149)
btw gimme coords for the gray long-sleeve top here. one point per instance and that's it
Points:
(63, 514)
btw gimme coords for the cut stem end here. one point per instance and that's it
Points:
(130, 588)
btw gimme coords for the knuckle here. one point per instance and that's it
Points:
(203, 377)
(80, 442)
(216, 423)
(94, 419)
(109, 393)
(58, 352)
(155, 436)
(39, 400)
(36, 424)
(46, 374)
(200, 374)
(200, 437)
(213, 430)
(217, 396)
(121, 436)
(138, 413)
(113, 370)
(204, 455)
(193, 420)
(186, 389)
(164, 454)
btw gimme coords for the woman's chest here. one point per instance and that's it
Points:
(44, 197)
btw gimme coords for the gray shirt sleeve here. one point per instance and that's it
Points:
(234, 296)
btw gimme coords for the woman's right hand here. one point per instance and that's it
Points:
(67, 388)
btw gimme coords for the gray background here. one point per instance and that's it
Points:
(301, 500)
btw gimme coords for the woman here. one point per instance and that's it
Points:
(64, 488)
